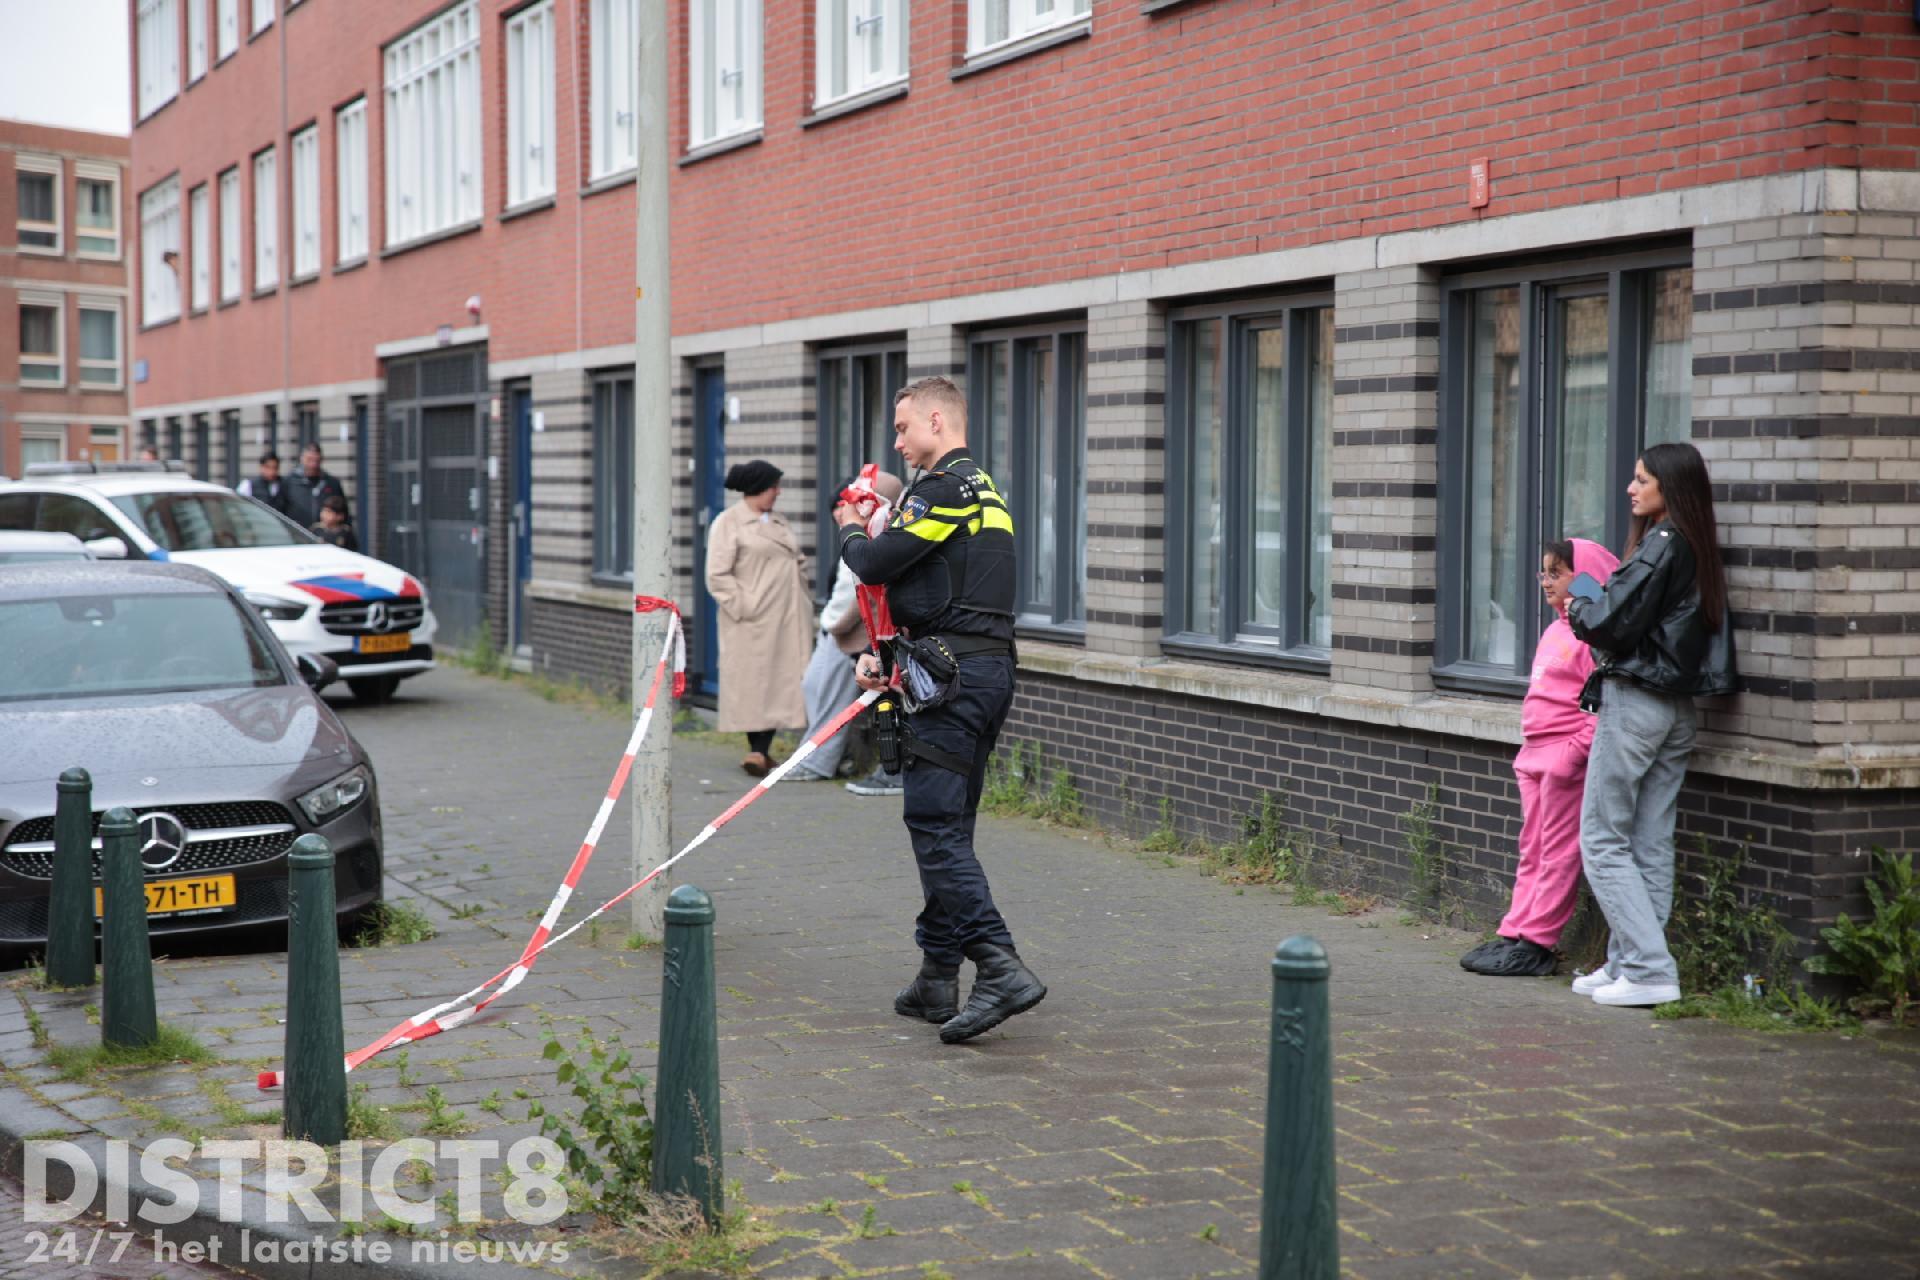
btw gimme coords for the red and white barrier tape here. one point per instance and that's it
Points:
(450, 1014)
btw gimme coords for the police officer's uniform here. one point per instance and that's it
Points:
(946, 559)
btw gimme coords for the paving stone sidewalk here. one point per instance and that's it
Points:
(1486, 1127)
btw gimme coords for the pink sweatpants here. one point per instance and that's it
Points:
(1553, 781)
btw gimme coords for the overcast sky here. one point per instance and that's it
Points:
(64, 62)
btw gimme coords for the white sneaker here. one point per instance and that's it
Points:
(1588, 983)
(1625, 992)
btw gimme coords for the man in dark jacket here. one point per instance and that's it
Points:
(267, 488)
(308, 492)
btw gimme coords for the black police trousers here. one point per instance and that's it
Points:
(941, 806)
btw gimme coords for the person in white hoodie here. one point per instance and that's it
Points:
(828, 684)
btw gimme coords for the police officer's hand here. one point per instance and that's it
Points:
(844, 515)
(866, 672)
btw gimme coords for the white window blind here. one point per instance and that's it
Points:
(306, 201)
(227, 26)
(99, 361)
(530, 104)
(433, 126)
(992, 23)
(160, 237)
(230, 235)
(266, 220)
(200, 215)
(723, 86)
(196, 39)
(350, 179)
(157, 35)
(615, 87)
(859, 45)
(262, 15)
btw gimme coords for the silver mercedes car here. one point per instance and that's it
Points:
(173, 694)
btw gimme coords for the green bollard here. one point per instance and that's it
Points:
(70, 905)
(1299, 1232)
(686, 1113)
(315, 1058)
(126, 971)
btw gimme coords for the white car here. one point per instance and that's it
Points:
(371, 619)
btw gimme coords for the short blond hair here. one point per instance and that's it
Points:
(939, 393)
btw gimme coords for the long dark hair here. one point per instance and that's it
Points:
(1682, 476)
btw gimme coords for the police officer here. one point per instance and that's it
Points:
(946, 560)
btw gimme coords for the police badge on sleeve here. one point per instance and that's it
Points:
(912, 509)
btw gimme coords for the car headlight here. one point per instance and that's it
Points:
(323, 804)
(276, 608)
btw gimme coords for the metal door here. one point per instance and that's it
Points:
(405, 545)
(709, 499)
(520, 414)
(453, 474)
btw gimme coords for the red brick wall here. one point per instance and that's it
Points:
(1216, 128)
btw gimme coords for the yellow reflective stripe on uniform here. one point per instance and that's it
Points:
(955, 513)
(992, 517)
(929, 529)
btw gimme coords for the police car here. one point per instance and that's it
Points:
(371, 619)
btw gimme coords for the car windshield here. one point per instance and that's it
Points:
(39, 554)
(198, 520)
(99, 645)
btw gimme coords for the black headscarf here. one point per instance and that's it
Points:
(753, 477)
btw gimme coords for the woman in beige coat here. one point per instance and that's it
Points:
(758, 579)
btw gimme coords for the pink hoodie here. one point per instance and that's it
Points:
(1561, 665)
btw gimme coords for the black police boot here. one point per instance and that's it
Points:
(934, 994)
(1002, 987)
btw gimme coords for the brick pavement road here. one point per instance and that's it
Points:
(86, 1246)
(1486, 1128)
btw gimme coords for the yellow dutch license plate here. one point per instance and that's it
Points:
(398, 642)
(173, 897)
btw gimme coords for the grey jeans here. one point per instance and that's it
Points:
(1640, 750)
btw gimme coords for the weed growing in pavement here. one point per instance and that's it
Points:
(38, 1027)
(1777, 1009)
(367, 1121)
(609, 1146)
(869, 1227)
(1717, 935)
(170, 1045)
(443, 1121)
(394, 924)
(1021, 785)
(1426, 858)
(641, 942)
(492, 1103)
(1882, 953)
(468, 910)
(402, 1063)
(481, 656)
(1164, 838)
(677, 1239)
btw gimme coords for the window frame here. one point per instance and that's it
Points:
(262, 16)
(81, 362)
(834, 447)
(530, 105)
(827, 43)
(200, 238)
(47, 167)
(416, 164)
(1070, 472)
(1024, 24)
(226, 29)
(157, 279)
(266, 218)
(231, 217)
(350, 183)
(94, 171)
(745, 22)
(304, 149)
(42, 431)
(158, 55)
(1623, 279)
(199, 41)
(609, 74)
(1241, 321)
(57, 361)
(613, 477)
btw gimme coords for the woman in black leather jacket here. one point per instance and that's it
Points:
(1660, 637)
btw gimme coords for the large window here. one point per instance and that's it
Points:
(994, 23)
(196, 39)
(227, 26)
(613, 476)
(1027, 392)
(433, 126)
(96, 211)
(723, 66)
(157, 36)
(1250, 492)
(266, 220)
(160, 252)
(1556, 379)
(530, 104)
(230, 235)
(36, 185)
(42, 334)
(350, 179)
(615, 88)
(859, 46)
(100, 343)
(200, 216)
(855, 418)
(262, 15)
(306, 202)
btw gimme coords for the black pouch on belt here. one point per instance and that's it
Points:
(929, 672)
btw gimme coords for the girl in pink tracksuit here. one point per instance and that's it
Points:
(1552, 772)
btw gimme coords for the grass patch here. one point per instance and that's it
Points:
(170, 1045)
(1020, 784)
(394, 924)
(1779, 1009)
(367, 1121)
